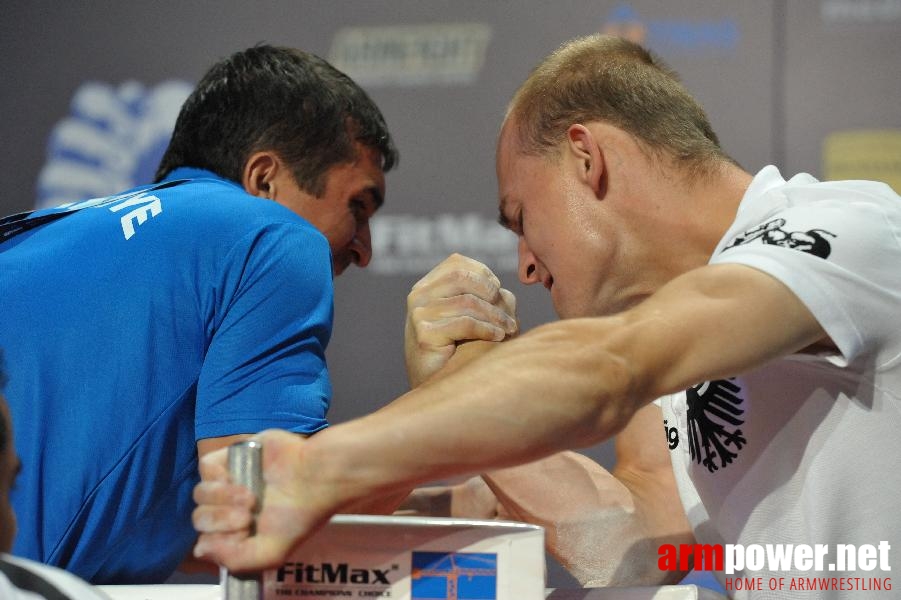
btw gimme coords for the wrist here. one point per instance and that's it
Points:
(341, 466)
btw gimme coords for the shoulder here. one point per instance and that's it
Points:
(850, 197)
(770, 187)
(816, 217)
(212, 198)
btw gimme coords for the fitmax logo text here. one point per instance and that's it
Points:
(340, 573)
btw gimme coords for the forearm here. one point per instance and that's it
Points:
(471, 499)
(431, 501)
(465, 353)
(528, 398)
(380, 505)
(612, 549)
(604, 529)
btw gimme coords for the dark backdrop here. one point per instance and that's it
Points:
(90, 91)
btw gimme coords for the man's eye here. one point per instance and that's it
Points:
(358, 208)
(515, 224)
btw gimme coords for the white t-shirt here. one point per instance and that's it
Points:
(22, 579)
(806, 450)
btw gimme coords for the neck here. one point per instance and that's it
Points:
(694, 212)
(713, 201)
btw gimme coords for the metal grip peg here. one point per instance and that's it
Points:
(245, 465)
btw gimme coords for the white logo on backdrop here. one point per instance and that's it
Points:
(112, 140)
(412, 245)
(411, 55)
(860, 11)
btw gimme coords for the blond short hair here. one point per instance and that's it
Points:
(610, 79)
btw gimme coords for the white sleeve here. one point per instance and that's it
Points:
(842, 258)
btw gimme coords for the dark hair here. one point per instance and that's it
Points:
(281, 99)
(606, 78)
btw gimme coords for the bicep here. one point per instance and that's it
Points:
(716, 321)
(265, 365)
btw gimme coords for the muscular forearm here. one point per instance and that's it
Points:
(404, 498)
(464, 354)
(471, 499)
(528, 398)
(604, 529)
(381, 505)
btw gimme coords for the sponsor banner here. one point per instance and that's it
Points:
(112, 140)
(414, 558)
(412, 245)
(412, 55)
(865, 154)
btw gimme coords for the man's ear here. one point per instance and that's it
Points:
(258, 178)
(584, 149)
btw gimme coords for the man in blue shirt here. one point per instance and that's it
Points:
(147, 328)
(22, 579)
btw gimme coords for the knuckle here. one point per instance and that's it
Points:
(413, 299)
(471, 301)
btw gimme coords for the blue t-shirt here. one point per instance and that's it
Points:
(135, 327)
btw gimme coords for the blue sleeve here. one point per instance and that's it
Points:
(272, 319)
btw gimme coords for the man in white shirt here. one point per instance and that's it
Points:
(736, 333)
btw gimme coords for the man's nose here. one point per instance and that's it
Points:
(528, 271)
(361, 247)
